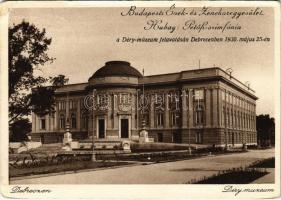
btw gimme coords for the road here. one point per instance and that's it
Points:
(162, 173)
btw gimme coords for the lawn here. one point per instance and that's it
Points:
(64, 167)
(151, 156)
(266, 163)
(234, 177)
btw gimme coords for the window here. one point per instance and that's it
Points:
(175, 119)
(101, 99)
(199, 115)
(61, 105)
(145, 117)
(223, 115)
(176, 137)
(228, 117)
(62, 121)
(199, 137)
(43, 124)
(124, 98)
(159, 119)
(231, 115)
(85, 121)
(72, 104)
(235, 120)
(73, 120)
(160, 137)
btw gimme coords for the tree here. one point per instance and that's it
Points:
(28, 48)
(19, 130)
(265, 130)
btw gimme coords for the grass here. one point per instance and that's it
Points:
(157, 157)
(152, 147)
(266, 163)
(64, 167)
(234, 177)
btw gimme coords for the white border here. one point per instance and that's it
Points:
(131, 191)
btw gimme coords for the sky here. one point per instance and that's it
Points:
(83, 39)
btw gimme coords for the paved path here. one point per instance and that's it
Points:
(165, 173)
(269, 178)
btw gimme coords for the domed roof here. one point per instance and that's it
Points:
(116, 68)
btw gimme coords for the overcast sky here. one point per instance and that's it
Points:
(85, 38)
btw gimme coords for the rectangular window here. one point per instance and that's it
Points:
(159, 119)
(175, 119)
(145, 117)
(199, 137)
(160, 137)
(43, 124)
(61, 105)
(72, 104)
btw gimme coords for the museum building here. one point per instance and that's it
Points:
(201, 106)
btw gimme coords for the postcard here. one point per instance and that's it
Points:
(140, 100)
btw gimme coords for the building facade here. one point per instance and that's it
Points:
(203, 106)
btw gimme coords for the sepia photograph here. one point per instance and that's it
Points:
(180, 94)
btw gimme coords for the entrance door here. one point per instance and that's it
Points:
(124, 128)
(101, 128)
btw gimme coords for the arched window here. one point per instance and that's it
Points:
(73, 120)
(199, 117)
(62, 121)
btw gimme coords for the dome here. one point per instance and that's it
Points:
(117, 68)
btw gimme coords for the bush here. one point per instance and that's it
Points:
(150, 147)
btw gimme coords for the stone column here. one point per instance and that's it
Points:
(56, 114)
(37, 121)
(94, 117)
(255, 119)
(78, 114)
(190, 108)
(232, 114)
(67, 110)
(51, 121)
(151, 112)
(109, 112)
(208, 108)
(115, 110)
(133, 104)
(220, 107)
(47, 122)
(166, 111)
(33, 122)
(184, 109)
(137, 109)
(215, 107)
